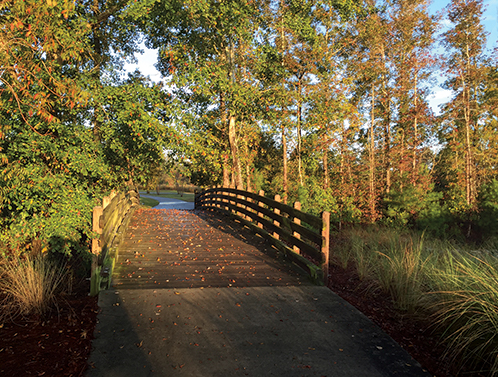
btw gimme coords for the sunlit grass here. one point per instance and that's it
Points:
(148, 202)
(30, 285)
(458, 288)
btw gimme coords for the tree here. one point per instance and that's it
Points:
(465, 68)
(205, 47)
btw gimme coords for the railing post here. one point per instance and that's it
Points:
(97, 228)
(326, 245)
(96, 249)
(276, 211)
(260, 204)
(297, 205)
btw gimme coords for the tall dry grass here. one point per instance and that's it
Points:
(29, 285)
(457, 287)
(465, 305)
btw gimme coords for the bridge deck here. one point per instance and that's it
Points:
(193, 249)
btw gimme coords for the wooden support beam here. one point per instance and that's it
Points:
(326, 245)
(297, 205)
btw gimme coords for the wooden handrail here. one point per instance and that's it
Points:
(109, 221)
(304, 238)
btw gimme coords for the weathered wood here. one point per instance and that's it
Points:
(260, 204)
(306, 233)
(275, 222)
(302, 232)
(108, 221)
(311, 220)
(180, 249)
(281, 232)
(297, 206)
(326, 245)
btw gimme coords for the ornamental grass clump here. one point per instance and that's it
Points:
(466, 308)
(29, 286)
(402, 272)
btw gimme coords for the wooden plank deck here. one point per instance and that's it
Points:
(194, 249)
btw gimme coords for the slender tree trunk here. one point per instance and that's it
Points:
(232, 130)
(232, 137)
(325, 168)
(372, 159)
(299, 141)
(415, 136)
(225, 156)
(284, 161)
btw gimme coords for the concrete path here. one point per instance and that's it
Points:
(295, 329)
(167, 203)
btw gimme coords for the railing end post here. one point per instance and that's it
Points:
(326, 245)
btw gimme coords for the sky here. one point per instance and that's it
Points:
(439, 96)
(489, 21)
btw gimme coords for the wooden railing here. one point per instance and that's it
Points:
(110, 221)
(303, 238)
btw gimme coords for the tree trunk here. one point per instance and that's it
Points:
(415, 137)
(225, 162)
(232, 137)
(325, 168)
(284, 161)
(372, 159)
(299, 141)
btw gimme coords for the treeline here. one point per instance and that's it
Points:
(320, 101)
(326, 102)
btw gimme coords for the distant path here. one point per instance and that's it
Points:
(196, 295)
(167, 203)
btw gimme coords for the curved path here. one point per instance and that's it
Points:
(197, 295)
(167, 203)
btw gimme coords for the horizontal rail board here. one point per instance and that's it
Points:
(286, 236)
(284, 221)
(311, 220)
(290, 226)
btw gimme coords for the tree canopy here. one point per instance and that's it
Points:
(325, 102)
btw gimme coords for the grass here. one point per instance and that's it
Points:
(148, 202)
(187, 196)
(30, 286)
(457, 288)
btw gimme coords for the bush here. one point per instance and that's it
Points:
(488, 208)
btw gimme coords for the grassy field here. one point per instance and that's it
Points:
(187, 196)
(453, 284)
(148, 202)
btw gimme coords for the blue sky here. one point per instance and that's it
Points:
(490, 22)
(147, 60)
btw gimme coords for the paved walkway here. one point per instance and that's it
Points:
(228, 319)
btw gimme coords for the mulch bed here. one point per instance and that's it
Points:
(58, 344)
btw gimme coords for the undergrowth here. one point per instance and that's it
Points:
(456, 286)
(30, 285)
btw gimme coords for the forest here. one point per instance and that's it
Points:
(325, 102)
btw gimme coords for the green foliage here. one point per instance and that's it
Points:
(488, 208)
(133, 130)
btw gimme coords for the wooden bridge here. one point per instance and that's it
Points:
(192, 249)
(265, 242)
